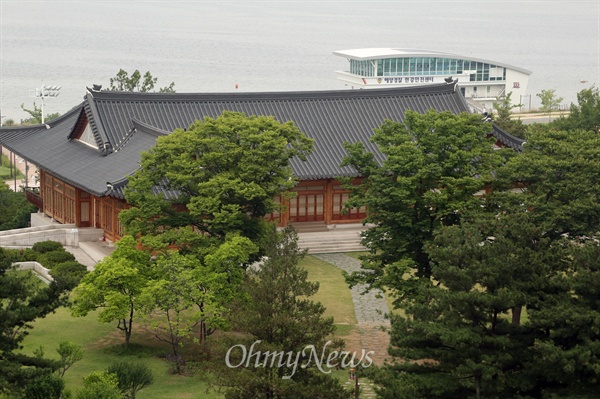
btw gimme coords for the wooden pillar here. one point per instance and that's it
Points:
(284, 217)
(328, 201)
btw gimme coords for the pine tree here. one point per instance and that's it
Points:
(276, 315)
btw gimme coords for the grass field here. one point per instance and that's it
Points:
(102, 343)
(102, 346)
(333, 292)
(5, 173)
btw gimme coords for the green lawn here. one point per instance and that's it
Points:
(5, 173)
(333, 292)
(102, 343)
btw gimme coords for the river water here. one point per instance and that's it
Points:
(212, 46)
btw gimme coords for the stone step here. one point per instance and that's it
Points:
(97, 250)
(334, 240)
(335, 249)
(316, 243)
(331, 237)
(310, 227)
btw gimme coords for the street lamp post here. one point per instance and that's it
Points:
(26, 172)
(46, 91)
(14, 166)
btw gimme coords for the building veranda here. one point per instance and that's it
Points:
(85, 156)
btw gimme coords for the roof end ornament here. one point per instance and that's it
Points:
(106, 148)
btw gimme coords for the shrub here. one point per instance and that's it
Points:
(51, 259)
(70, 353)
(12, 255)
(47, 246)
(67, 275)
(99, 385)
(131, 376)
(28, 255)
(45, 387)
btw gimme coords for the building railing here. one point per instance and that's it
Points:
(33, 196)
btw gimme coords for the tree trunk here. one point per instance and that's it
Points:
(128, 328)
(516, 315)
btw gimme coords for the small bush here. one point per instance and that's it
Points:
(131, 376)
(51, 259)
(12, 255)
(67, 275)
(47, 246)
(99, 385)
(28, 255)
(45, 387)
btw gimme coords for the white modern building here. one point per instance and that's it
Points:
(481, 82)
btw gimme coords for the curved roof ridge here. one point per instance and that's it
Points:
(104, 144)
(76, 109)
(507, 138)
(148, 129)
(267, 96)
(46, 125)
(22, 128)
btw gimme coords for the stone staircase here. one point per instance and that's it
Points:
(321, 238)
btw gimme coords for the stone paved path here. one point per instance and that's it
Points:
(370, 309)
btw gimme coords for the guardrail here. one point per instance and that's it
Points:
(34, 197)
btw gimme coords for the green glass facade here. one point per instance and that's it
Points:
(428, 66)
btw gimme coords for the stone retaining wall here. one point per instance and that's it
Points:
(68, 235)
(38, 269)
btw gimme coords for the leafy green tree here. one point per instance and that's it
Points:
(557, 174)
(504, 117)
(186, 292)
(550, 101)
(225, 171)
(585, 115)
(276, 313)
(15, 210)
(132, 377)
(171, 304)
(434, 165)
(36, 114)
(69, 353)
(99, 385)
(136, 82)
(114, 286)
(22, 300)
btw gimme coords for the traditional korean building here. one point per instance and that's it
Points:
(85, 156)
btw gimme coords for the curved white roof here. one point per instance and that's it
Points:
(381, 53)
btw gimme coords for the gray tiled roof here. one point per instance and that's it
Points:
(125, 124)
(507, 139)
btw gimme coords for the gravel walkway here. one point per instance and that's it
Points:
(369, 307)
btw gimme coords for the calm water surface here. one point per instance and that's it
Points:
(210, 46)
